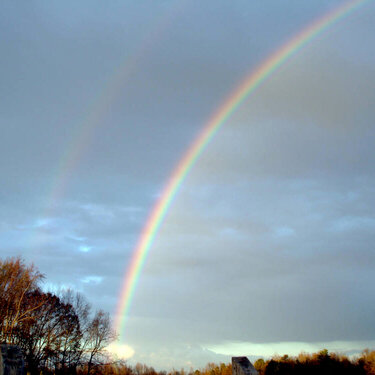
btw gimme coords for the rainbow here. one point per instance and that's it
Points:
(216, 121)
(86, 131)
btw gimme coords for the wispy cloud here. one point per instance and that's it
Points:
(92, 279)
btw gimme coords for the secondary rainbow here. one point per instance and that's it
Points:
(247, 87)
(86, 130)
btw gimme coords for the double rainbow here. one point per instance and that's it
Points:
(217, 120)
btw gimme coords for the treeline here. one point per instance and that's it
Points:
(321, 363)
(142, 369)
(58, 334)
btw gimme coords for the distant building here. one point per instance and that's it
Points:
(242, 366)
(11, 360)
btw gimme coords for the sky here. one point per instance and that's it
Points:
(268, 246)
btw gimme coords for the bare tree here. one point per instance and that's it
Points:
(16, 281)
(39, 335)
(98, 335)
(56, 333)
(82, 311)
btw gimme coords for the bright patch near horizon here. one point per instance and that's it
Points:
(120, 351)
(289, 348)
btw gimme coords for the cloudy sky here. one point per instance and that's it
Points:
(269, 245)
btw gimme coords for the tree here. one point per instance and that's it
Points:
(38, 336)
(57, 333)
(260, 365)
(16, 281)
(82, 310)
(368, 361)
(98, 335)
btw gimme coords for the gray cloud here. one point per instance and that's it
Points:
(269, 238)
